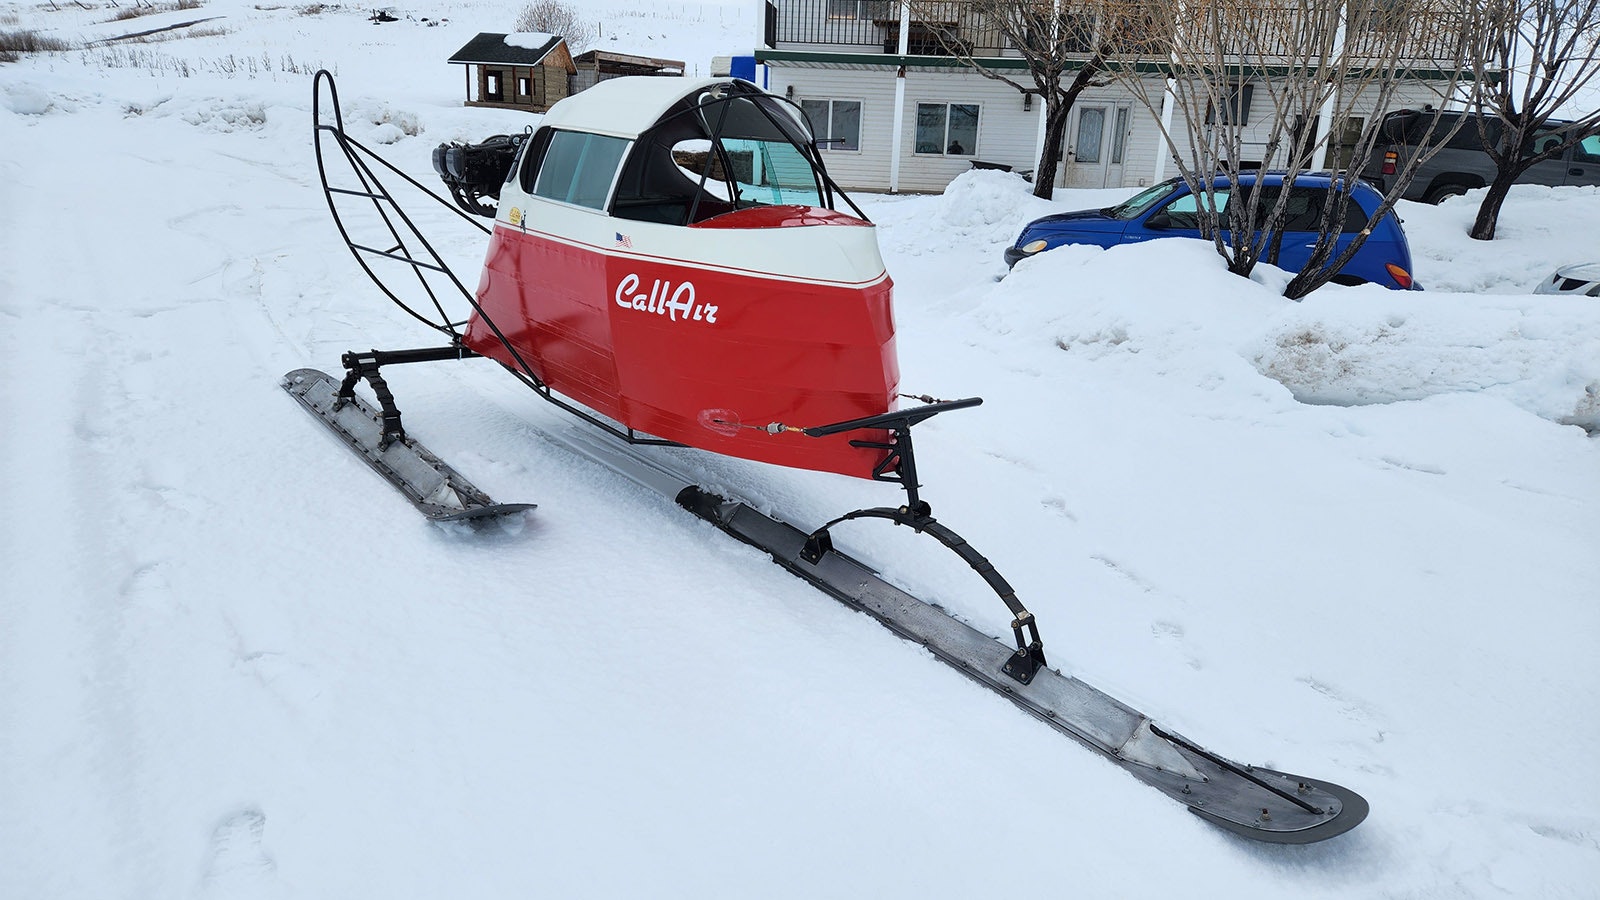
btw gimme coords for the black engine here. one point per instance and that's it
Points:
(475, 171)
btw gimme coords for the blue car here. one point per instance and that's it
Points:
(1169, 210)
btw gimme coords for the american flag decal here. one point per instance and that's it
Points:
(623, 240)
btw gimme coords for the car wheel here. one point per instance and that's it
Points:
(1444, 192)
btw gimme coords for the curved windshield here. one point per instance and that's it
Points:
(1134, 206)
(729, 148)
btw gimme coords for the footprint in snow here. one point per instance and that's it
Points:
(237, 867)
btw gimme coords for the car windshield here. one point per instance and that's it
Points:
(1138, 203)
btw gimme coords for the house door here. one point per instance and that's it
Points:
(1086, 151)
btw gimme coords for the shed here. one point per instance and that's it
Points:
(598, 65)
(528, 70)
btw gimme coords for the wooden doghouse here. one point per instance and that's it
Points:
(516, 71)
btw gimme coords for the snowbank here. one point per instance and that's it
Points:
(1360, 347)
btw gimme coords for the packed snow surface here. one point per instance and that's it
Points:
(1354, 537)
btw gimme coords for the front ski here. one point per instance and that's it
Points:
(438, 491)
(1257, 803)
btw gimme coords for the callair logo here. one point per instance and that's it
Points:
(665, 300)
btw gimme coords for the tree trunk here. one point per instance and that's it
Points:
(1489, 212)
(1058, 108)
(1044, 175)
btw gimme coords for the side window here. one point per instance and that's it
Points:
(1468, 138)
(1588, 151)
(1184, 211)
(1268, 196)
(948, 129)
(837, 123)
(579, 168)
(1542, 142)
(1355, 218)
(532, 156)
(1306, 206)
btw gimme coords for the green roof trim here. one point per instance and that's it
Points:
(1018, 64)
(883, 60)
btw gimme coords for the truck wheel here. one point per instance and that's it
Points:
(1443, 192)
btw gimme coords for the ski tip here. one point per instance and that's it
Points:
(477, 513)
(1352, 809)
(295, 376)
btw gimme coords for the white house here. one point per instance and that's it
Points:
(903, 115)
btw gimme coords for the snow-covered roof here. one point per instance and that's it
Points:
(517, 49)
(624, 106)
(530, 40)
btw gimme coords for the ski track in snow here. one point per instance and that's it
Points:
(1350, 537)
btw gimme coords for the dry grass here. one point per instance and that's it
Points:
(137, 10)
(16, 44)
(129, 55)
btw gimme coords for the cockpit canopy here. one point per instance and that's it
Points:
(725, 145)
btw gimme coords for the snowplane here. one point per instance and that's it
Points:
(669, 262)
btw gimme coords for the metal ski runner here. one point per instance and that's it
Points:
(438, 491)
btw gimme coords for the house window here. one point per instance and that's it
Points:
(522, 87)
(579, 168)
(836, 124)
(860, 9)
(1235, 106)
(1091, 127)
(1119, 137)
(950, 129)
(491, 85)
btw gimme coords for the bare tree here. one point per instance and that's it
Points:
(1544, 54)
(1297, 85)
(1066, 47)
(557, 18)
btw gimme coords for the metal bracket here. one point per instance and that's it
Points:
(1029, 658)
(365, 365)
(899, 465)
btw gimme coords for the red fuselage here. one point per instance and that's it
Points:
(684, 332)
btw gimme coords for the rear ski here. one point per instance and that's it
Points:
(1257, 803)
(433, 487)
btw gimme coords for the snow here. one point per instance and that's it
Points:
(1352, 537)
(528, 40)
